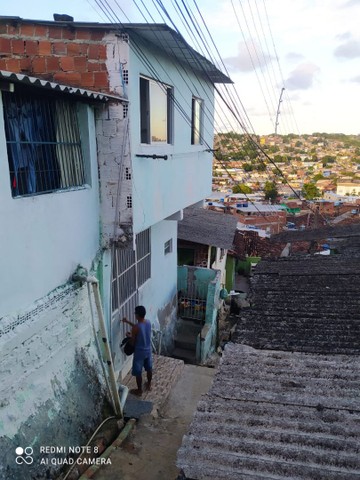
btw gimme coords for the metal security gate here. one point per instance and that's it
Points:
(130, 269)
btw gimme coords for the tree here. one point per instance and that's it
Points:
(247, 167)
(241, 188)
(310, 191)
(271, 191)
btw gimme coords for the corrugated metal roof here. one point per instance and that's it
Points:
(57, 87)
(159, 35)
(208, 228)
(276, 415)
(163, 37)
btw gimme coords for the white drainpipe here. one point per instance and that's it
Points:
(118, 403)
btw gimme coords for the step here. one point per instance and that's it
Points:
(186, 342)
(186, 355)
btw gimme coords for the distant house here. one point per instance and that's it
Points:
(204, 239)
(348, 188)
(102, 152)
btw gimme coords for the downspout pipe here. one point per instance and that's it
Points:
(118, 403)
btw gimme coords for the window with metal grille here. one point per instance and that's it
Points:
(168, 247)
(130, 269)
(123, 276)
(43, 143)
(143, 256)
(129, 201)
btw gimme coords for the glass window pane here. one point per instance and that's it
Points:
(158, 112)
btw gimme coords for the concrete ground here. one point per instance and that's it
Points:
(149, 453)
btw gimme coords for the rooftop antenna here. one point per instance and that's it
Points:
(278, 110)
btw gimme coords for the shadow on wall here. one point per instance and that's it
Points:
(167, 319)
(66, 421)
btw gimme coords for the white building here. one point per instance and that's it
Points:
(348, 188)
(96, 181)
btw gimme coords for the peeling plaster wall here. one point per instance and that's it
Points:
(159, 294)
(113, 148)
(52, 387)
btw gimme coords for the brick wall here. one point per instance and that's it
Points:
(69, 55)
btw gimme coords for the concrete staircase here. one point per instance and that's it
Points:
(187, 331)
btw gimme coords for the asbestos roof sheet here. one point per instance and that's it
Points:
(307, 303)
(57, 87)
(207, 227)
(276, 415)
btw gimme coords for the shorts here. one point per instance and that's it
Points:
(141, 360)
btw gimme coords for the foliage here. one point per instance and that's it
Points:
(310, 191)
(241, 188)
(271, 191)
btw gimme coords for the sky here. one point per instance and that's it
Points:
(309, 48)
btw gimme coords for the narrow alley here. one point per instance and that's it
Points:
(149, 452)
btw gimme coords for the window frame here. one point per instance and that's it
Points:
(168, 247)
(49, 159)
(197, 130)
(146, 109)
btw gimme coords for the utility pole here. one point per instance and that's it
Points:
(278, 110)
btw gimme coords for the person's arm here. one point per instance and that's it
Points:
(134, 332)
(125, 320)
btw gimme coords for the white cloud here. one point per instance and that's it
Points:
(349, 49)
(302, 77)
(249, 58)
(294, 57)
(355, 79)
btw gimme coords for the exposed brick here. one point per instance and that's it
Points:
(102, 52)
(39, 65)
(94, 66)
(5, 45)
(27, 30)
(67, 64)
(55, 32)
(13, 65)
(13, 30)
(52, 64)
(2, 63)
(68, 34)
(41, 31)
(18, 46)
(59, 48)
(87, 79)
(73, 48)
(44, 48)
(93, 52)
(73, 78)
(83, 34)
(80, 64)
(100, 79)
(32, 47)
(83, 48)
(25, 64)
(97, 34)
